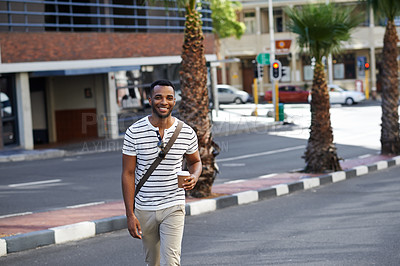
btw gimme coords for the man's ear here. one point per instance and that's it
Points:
(149, 99)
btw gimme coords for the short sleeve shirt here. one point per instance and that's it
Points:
(161, 189)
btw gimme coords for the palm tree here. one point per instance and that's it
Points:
(194, 109)
(390, 137)
(321, 30)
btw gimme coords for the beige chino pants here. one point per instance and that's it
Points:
(162, 233)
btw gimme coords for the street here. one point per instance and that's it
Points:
(355, 222)
(33, 186)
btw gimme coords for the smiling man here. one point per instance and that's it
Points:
(157, 213)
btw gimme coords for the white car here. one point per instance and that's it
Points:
(339, 95)
(229, 94)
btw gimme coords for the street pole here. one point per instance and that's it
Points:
(214, 87)
(276, 106)
(1, 125)
(330, 64)
(272, 53)
(366, 84)
(255, 93)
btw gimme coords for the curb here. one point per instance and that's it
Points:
(82, 230)
(33, 155)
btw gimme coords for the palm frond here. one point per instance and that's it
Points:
(385, 8)
(322, 28)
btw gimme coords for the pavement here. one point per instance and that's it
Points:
(32, 230)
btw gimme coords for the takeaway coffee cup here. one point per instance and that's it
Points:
(181, 177)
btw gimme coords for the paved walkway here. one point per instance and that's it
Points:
(33, 230)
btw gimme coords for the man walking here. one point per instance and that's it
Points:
(156, 215)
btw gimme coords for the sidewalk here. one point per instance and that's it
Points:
(33, 230)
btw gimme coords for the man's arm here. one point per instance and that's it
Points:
(195, 168)
(128, 192)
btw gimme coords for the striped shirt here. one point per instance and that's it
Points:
(161, 189)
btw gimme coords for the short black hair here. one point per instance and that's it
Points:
(161, 82)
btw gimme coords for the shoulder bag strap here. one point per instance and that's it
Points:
(157, 161)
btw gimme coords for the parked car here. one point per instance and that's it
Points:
(339, 95)
(229, 94)
(289, 94)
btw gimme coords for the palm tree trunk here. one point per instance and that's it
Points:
(194, 109)
(390, 139)
(320, 153)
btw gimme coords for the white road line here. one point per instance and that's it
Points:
(267, 176)
(364, 156)
(35, 183)
(15, 214)
(261, 154)
(235, 181)
(85, 205)
(233, 164)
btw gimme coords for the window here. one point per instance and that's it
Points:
(344, 66)
(250, 22)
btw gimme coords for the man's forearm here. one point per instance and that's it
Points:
(128, 192)
(195, 169)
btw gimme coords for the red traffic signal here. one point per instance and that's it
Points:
(276, 73)
(366, 66)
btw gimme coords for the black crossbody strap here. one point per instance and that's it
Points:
(157, 161)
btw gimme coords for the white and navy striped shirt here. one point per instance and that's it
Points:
(161, 189)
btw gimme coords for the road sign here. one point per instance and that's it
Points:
(263, 59)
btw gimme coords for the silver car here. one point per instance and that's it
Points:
(229, 94)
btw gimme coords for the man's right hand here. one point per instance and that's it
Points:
(134, 227)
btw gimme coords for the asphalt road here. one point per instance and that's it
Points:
(354, 222)
(96, 177)
(33, 186)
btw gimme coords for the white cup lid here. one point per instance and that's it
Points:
(183, 173)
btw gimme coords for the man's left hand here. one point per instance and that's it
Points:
(189, 183)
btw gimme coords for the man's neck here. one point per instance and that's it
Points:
(161, 123)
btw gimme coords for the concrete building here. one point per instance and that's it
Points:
(75, 70)
(345, 69)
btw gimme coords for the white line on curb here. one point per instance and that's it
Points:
(311, 182)
(3, 247)
(72, 232)
(361, 170)
(382, 165)
(281, 189)
(203, 206)
(247, 197)
(338, 176)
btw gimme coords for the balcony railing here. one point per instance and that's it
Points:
(96, 16)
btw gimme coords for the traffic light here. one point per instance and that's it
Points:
(283, 72)
(255, 68)
(260, 70)
(276, 70)
(366, 66)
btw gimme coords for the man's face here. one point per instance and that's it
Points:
(162, 101)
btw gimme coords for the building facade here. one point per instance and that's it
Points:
(73, 70)
(345, 69)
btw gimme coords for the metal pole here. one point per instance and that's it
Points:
(214, 88)
(330, 64)
(1, 125)
(255, 90)
(272, 53)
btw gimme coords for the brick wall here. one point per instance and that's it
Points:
(55, 46)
